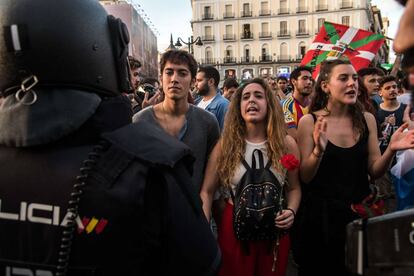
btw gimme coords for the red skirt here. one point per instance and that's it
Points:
(259, 261)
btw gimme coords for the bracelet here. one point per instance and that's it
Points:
(293, 212)
(317, 156)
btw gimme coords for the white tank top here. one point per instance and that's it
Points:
(240, 169)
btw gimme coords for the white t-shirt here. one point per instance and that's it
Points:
(240, 170)
(404, 98)
(203, 104)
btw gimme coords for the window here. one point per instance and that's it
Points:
(246, 10)
(228, 11)
(207, 31)
(265, 49)
(229, 29)
(283, 27)
(301, 50)
(301, 6)
(345, 20)
(207, 13)
(209, 56)
(209, 53)
(229, 52)
(246, 31)
(283, 52)
(247, 52)
(283, 4)
(265, 28)
(302, 26)
(264, 8)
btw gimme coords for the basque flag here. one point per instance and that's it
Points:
(403, 179)
(339, 41)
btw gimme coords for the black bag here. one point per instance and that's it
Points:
(258, 199)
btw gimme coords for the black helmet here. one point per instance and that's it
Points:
(65, 43)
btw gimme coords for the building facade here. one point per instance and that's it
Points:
(143, 41)
(250, 38)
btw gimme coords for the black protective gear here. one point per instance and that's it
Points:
(65, 43)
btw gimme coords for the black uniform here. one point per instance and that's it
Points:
(139, 213)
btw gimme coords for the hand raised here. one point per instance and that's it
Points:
(401, 140)
(153, 100)
(319, 134)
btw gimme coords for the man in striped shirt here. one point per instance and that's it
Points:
(297, 104)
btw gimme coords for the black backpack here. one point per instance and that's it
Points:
(258, 199)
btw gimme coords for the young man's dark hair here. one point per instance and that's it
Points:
(282, 78)
(387, 79)
(230, 83)
(151, 81)
(211, 73)
(179, 57)
(296, 72)
(134, 63)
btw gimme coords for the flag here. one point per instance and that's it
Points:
(402, 174)
(339, 41)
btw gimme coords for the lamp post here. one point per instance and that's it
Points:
(190, 43)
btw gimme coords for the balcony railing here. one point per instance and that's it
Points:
(283, 11)
(299, 57)
(284, 33)
(246, 36)
(264, 12)
(208, 61)
(246, 59)
(229, 60)
(208, 38)
(228, 15)
(265, 58)
(207, 16)
(228, 37)
(265, 35)
(302, 32)
(321, 7)
(346, 4)
(246, 13)
(302, 9)
(284, 58)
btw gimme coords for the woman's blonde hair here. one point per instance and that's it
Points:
(233, 142)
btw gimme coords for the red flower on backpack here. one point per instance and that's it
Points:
(289, 161)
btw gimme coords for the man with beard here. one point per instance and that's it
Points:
(296, 105)
(207, 81)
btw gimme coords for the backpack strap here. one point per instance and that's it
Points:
(260, 156)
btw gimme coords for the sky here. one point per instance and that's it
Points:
(169, 17)
(174, 17)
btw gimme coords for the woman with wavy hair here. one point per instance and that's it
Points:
(339, 148)
(254, 121)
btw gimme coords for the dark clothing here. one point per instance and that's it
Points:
(319, 236)
(138, 212)
(385, 131)
(200, 133)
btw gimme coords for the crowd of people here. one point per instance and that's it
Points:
(107, 172)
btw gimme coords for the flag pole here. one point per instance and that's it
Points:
(396, 66)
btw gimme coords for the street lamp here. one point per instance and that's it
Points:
(190, 43)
